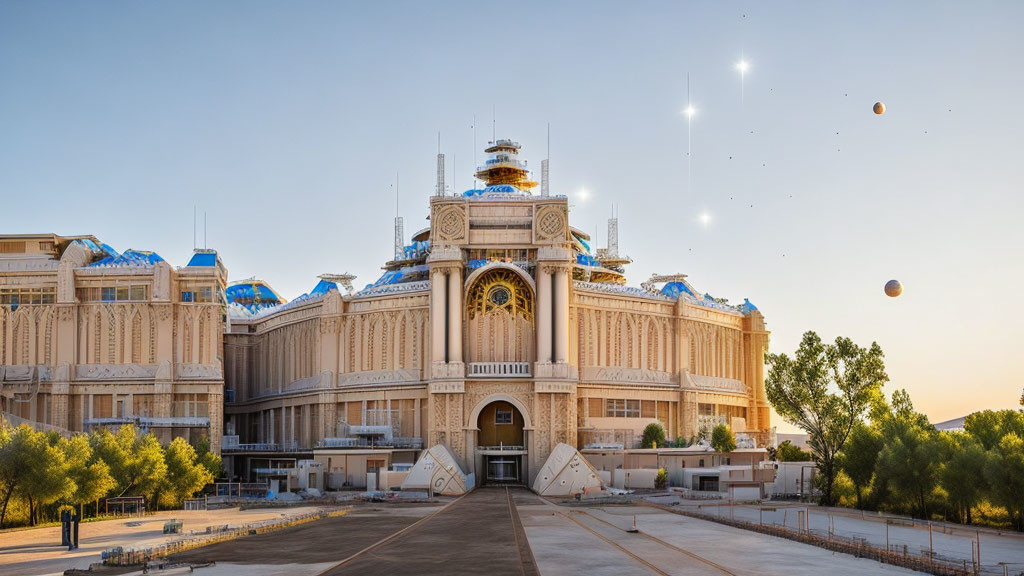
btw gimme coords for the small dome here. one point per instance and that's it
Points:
(252, 294)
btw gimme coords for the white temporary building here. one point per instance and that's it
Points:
(437, 471)
(566, 473)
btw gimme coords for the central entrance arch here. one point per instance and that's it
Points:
(502, 429)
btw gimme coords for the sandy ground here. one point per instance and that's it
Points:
(35, 552)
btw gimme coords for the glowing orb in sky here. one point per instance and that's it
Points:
(583, 194)
(690, 111)
(893, 288)
(705, 218)
(879, 108)
(743, 66)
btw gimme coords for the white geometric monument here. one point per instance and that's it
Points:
(566, 473)
(438, 471)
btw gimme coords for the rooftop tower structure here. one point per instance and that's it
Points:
(503, 166)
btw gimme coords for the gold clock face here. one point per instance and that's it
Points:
(499, 296)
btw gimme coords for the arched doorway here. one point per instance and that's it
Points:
(501, 443)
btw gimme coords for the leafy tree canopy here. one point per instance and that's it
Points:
(825, 390)
(654, 434)
(722, 439)
(787, 452)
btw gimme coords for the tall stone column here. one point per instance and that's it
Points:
(543, 315)
(446, 312)
(437, 315)
(455, 315)
(561, 313)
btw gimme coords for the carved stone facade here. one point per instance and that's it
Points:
(496, 318)
(498, 311)
(110, 338)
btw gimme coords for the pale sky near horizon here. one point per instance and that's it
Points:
(286, 123)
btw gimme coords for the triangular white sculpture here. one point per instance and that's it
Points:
(437, 470)
(566, 473)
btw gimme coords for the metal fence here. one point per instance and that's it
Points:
(889, 543)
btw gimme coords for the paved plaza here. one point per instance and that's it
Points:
(500, 531)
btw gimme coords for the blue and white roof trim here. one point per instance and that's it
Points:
(674, 289)
(496, 189)
(203, 258)
(417, 250)
(128, 259)
(397, 276)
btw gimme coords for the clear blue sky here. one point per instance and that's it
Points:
(286, 123)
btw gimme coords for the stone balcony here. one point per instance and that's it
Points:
(498, 370)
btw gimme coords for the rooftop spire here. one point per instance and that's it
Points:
(504, 167)
(399, 227)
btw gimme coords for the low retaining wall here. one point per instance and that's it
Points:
(120, 556)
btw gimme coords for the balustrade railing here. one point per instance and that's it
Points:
(499, 369)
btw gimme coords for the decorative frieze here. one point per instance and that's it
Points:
(377, 377)
(616, 374)
(402, 288)
(447, 387)
(115, 371)
(199, 371)
(714, 384)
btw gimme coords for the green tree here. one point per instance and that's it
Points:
(989, 426)
(1004, 470)
(787, 452)
(186, 475)
(136, 461)
(963, 476)
(824, 390)
(912, 456)
(654, 435)
(48, 480)
(90, 475)
(661, 479)
(208, 459)
(859, 457)
(722, 439)
(16, 452)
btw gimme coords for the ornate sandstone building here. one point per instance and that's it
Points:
(91, 337)
(497, 332)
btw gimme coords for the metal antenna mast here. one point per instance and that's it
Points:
(399, 227)
(440, 167)
(474, 151)
(613, 235)
(545, 182)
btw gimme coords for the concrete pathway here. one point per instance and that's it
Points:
(478, 534)
(596, 541)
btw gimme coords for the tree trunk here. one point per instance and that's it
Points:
(859, 506)
(31, 512)
(7, 498)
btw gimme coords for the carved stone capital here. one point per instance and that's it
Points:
(554, 254)
(445, 254)
(555, 371)
(447, 370)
